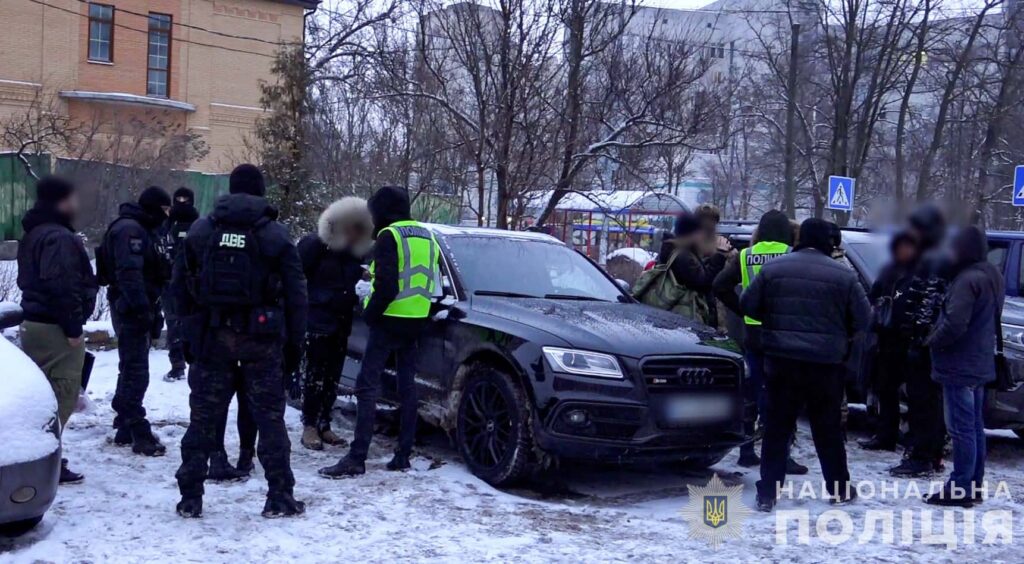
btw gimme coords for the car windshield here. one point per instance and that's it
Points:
(520, 267)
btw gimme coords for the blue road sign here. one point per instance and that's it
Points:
(840, 193)
(1018, 185)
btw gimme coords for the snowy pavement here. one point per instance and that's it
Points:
(124, 511)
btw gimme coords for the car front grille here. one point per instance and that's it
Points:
(688, 373)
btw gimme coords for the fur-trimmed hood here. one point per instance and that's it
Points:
(340, 217)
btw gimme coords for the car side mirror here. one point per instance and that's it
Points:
(623, 284)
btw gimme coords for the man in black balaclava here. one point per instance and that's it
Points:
(811, 306)
(239, 282)
(129, 260)
(58, 294)
(175, 229)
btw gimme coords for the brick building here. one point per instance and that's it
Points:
(194, 64)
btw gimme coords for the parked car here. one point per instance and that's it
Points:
(536, 354)
(29, 430)
(1004, 251)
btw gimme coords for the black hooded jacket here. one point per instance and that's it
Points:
(175, 229)
(56, 280)
(276, 247)
(387, 205)
(133, 265)
(810, 304)
(964, 339)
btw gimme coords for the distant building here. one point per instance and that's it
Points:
(193, 64)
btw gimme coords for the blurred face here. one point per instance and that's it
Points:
(905, 252)
(68, 207)
(355, 232)
(181, 200)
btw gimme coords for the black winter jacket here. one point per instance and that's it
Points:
(56, 279)
(138, 272)
(331, 277)
(276, 247)
(810, 305)
(964, 339)
(894, 282)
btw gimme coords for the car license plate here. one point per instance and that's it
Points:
(698, 409)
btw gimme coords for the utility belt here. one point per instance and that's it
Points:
(264, 320)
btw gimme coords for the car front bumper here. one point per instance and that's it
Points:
(41, 475)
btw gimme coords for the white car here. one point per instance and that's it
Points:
(29, 436)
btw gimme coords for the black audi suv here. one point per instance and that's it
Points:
(535, 354)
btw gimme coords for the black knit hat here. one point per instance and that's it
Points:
(774, 226)
(153, 199)
(247, 179)
(53, 189)
(686, 224)
(817, 234)
(185, 194)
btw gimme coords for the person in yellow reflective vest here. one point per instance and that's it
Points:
(404, 272)
(773, 238)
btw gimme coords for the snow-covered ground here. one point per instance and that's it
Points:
(124, 511)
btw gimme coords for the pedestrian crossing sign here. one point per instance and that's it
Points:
(1018, 185)
(840, 193)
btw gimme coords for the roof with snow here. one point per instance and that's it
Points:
(618, 202)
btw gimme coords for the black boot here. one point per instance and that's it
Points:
(190, 507)
(282, 505)
(222, 471)
(748, 456)
(245, 463)
(399, 462)
(794, 468)
(68, 476)
(877, 443)
(912, 468)
(946, 497)
(174, 375)
(144, 442)
(765, 504)
(345, 468)
(123, 436)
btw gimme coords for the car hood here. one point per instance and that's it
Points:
(631, 330)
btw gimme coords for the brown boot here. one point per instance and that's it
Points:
(331, 438)
(311, 439)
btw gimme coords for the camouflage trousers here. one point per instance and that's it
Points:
(257, 361)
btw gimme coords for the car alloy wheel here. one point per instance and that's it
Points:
(493, 427)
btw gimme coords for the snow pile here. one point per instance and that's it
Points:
(635, 254)
(27, 409)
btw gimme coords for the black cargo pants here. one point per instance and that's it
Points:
(257, 360)
(133, 343)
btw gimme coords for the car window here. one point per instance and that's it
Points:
(997, 255)
(873, 255)
(527, 267)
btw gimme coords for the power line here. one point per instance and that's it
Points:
(196, 27)
(146, 32)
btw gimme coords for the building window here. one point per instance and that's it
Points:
(159, 57)
(101, 33)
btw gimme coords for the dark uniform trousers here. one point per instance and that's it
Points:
(390, 336)
(325, 357)
(175, 341)
(133, 368)
(790, 386)
(924, 408)
(228, 355)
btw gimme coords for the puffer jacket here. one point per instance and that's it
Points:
(333, 265)
(810, 304)
(964, 339)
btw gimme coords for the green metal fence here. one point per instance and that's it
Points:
(17, 191)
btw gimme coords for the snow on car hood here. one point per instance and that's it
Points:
(27, 408)
(632, 330)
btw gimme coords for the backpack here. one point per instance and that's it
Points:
(233, 270)
(658, 288)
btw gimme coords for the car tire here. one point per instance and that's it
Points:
(493, 429)
(18, 528)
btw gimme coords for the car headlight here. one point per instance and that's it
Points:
(585, 363)
(1013, 336)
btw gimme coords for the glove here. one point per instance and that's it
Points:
(292, 357)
